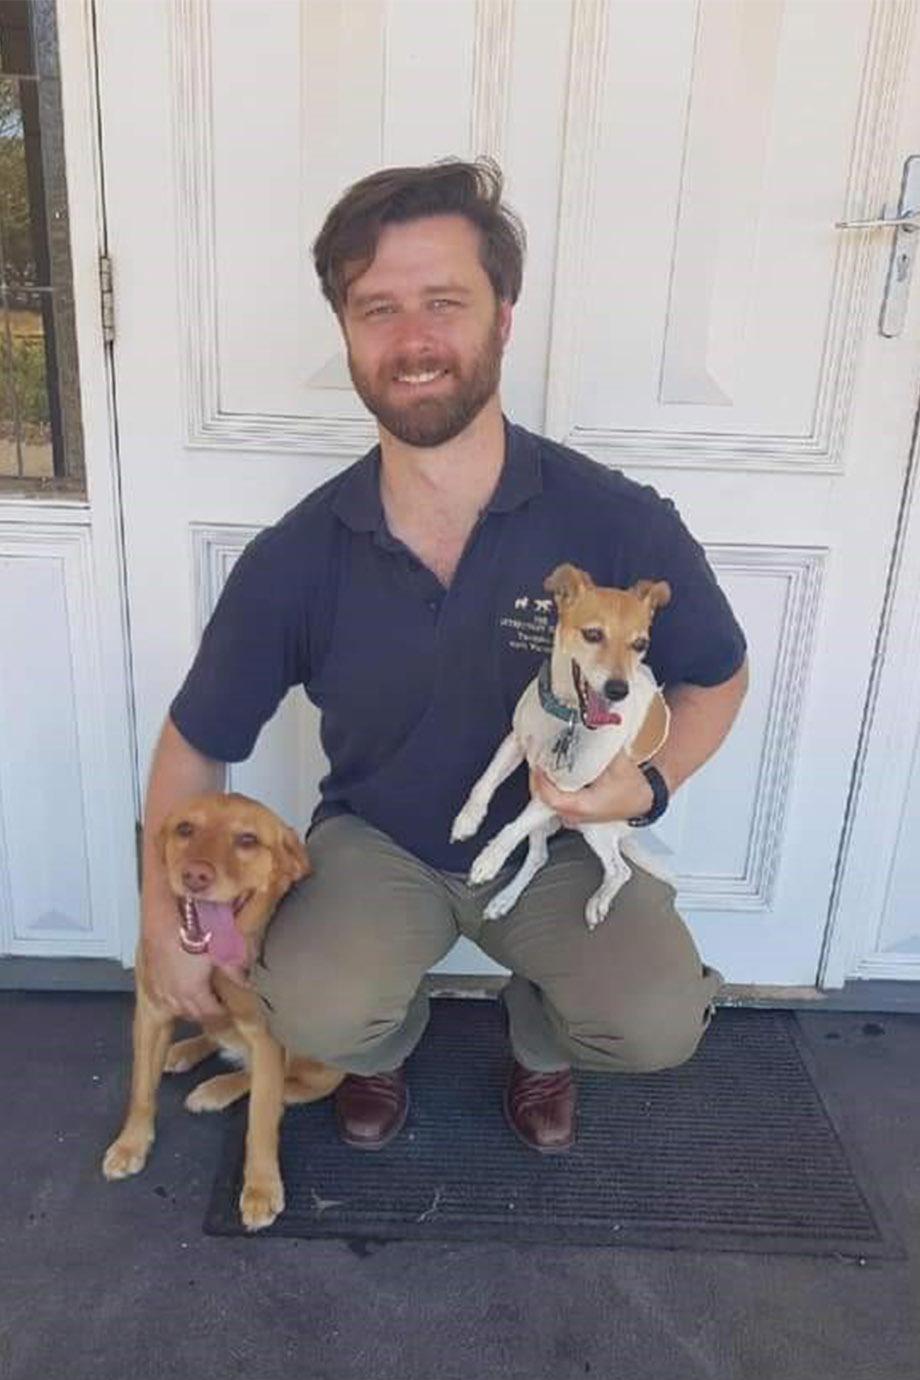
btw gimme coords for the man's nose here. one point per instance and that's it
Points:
(616, 690)
(413, 329)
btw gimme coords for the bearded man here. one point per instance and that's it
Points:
(406, 597)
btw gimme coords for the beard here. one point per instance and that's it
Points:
(433, 420)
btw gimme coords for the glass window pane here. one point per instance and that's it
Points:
(15, 37)
(23, 256)
(41, 433)
(9, 431)
(31, 339)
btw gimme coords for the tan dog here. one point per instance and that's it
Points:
(229, 861)
(593, 699)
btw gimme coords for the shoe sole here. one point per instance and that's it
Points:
(561, 1149)
(356, 1143)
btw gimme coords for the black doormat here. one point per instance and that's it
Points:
(734, 1150)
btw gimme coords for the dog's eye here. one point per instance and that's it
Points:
(247, 840)
(640, 644)
(185, 830)
(593, 634)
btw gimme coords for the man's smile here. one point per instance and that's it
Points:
(420, 379)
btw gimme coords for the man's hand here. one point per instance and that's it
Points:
(179, 981)
(620, 792)
(700, 719)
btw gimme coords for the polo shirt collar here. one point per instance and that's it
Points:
(522, 476)
(358, 502)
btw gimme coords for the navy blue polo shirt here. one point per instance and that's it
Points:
(416, 685)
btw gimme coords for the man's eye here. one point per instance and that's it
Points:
(383, 309)
(640, 644)
(185, 830)
(247, 840)
(442, 303)
(593, 634)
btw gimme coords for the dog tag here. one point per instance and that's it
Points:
(563, 749)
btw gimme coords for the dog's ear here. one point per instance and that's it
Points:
(294, 855)
(566, 582)
(656, 593)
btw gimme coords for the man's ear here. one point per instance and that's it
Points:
(566, 583)
(505, 318)
(656, 593)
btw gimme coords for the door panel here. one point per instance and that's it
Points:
(690, 314)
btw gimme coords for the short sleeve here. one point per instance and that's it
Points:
(695, 638)
(253, 650)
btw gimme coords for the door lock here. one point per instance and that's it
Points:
(906, 225)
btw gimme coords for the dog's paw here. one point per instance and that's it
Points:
(467, 822)
(260, 1203)
(599, 904)
(204, 1098)
(125, 1157)
(486, 865)
(500, 904)
(185, 1054)
(596, 909)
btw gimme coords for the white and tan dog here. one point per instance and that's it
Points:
(593, 699)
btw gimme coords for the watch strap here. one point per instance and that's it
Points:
(660, 797)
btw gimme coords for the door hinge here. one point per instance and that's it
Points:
(107, 295)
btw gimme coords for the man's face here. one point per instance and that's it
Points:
(424, 330)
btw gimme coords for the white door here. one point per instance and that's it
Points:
(691, 314)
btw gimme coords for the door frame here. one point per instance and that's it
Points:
(109, 751)
(882, 765)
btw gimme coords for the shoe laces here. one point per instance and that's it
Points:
(530, 1087)
(377, 1083)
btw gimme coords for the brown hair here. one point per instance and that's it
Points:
(393, 195)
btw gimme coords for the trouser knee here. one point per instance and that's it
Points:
(331, 1019)
(655, 1034)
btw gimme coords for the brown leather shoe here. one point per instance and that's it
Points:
(540, 1108)
(370, 1111)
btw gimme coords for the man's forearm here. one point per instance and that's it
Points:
(178, 772)
(701, 717)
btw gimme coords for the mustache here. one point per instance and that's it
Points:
(419, 364)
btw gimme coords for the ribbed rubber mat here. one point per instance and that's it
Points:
(734, 1150)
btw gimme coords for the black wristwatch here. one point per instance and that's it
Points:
(660, 797)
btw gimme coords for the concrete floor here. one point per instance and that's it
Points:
(117, 1281)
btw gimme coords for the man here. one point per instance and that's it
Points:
(406, 595)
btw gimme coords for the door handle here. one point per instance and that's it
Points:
(912, 218)
(905, 224)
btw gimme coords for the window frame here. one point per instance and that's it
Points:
(50, 226)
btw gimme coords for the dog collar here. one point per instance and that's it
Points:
(550, 703)
(565, 712)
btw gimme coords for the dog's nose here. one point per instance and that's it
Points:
(197, 876)
(616, 690)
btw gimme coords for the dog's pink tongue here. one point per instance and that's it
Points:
(599, 712)
(227, 944)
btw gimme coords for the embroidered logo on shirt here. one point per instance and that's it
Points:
(529, 626)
